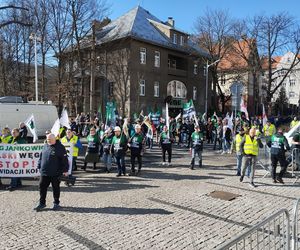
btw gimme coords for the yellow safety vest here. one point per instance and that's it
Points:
(250, 147)
(5, 140)
(294, 123)
(269, 130)
(238, 140)
(73, 141)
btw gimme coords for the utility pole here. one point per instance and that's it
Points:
(92, 73)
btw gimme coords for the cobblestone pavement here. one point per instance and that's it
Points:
(164, 208)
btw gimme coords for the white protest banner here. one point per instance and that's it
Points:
(21, 160)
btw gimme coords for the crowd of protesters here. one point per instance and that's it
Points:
(109, 143)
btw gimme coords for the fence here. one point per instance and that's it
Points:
(272, 233)
(264, 158)
(295, 155)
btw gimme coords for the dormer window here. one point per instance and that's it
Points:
(174, 38)
(181, 40)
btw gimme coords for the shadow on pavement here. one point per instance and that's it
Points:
(79, 238)
(117, 210)
(216, 217)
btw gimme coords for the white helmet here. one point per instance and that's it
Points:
(117, 128)
(137, 126)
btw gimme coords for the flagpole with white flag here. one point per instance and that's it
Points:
(243, 108)
(64, 119)
(265, 118)
(55, 128)
(30, 124)
(167, 116)
(177, 117)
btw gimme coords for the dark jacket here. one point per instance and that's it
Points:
(53, 160)
(278, 143)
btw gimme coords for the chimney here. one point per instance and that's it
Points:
(171, 21)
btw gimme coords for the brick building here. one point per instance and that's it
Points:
(139, 61)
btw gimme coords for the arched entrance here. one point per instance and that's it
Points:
(178, 91)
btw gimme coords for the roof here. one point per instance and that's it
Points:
(233, 59)
(138, 24)
(274, 62)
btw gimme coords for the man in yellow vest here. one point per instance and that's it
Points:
(269, 129)
(249, 147)
(236, 146)
(6, 136)
(294, 122)
(72, 139)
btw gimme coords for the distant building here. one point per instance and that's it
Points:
(291, 84)
(240, 64)
(139, 61)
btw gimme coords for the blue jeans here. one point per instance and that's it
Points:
(121, 164)
(107, 161)
(225, 145)
(15, 182)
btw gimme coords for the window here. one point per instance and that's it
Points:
(223, 80)
(169, 63)
(157, 59)
(292, 82)
(142, 87)
(195, 68)
(194, 93)
(181, 40)
(156, 89)
(283, 72)
(142, 55)
(174, 64)
(175, 38)
(177, 89)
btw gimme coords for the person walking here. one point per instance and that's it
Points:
(249, 148)
(136, 146)
(197, 146)
(278, 144)
(165, 142)
(118, 149)
(52, 164)
(92, 151)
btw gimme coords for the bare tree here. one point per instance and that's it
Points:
(214, 32)
(278, 34)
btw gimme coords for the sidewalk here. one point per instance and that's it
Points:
(165, 208)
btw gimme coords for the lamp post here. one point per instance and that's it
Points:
(206, 83)
(35, 39)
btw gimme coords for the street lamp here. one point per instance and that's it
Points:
(206, 83)
(35, 39)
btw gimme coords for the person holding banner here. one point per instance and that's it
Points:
(197, 146)
(136, 146)
(165, 142)
(15, 139)
(71, 139)
(52, 164)
(118, 149)
(6, 136)
(92, 151)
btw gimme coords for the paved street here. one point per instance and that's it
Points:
(164, 208)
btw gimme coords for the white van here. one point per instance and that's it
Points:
(11, 114)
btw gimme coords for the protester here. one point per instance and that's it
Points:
(136, 146)
(23, 131)
(52, 164)
(278, 144)
(249, 148)
(6, 135)
(72, 140)
(106, 143)
(92, 151)
(118, 149)
(197, 146)
(165, 142)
